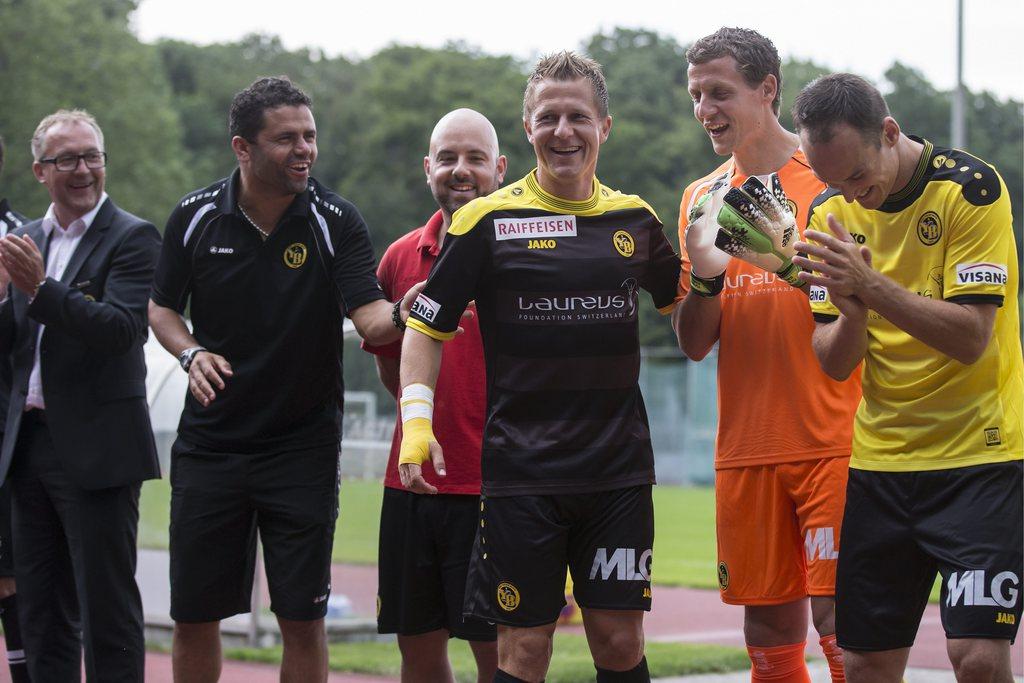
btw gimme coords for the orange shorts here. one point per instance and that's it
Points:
(778, 530)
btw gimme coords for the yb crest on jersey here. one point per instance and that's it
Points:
(295, 255)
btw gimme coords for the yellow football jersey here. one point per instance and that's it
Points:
(947, 235)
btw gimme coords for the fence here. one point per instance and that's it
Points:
(680, 396)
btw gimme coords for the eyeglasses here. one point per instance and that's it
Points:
(69, 162)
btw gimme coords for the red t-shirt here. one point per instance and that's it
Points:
(460, 396)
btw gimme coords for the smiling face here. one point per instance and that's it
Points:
(278, 161)
(863, 171)
(732, 112)
(566, 129)
(73, 193)
(463, 163)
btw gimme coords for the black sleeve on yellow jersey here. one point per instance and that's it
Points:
(825, 318)
(662, 276)
(977, 299)
(453, 280)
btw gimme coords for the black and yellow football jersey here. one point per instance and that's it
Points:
(556, 289)
(947, 235)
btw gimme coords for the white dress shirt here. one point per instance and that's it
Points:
(63, 242)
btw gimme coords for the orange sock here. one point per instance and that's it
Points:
(834, 655)
(782, 664)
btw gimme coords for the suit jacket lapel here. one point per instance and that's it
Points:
(89, 241)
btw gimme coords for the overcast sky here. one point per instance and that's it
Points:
(864, 36)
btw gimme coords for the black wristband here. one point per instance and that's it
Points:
(707, 287)
(396, 315)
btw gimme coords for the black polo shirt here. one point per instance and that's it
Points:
(9, 218)
(272, 308)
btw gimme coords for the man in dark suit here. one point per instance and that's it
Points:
(78, 442)
(9, 220)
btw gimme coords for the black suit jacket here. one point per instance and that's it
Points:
(91, 359)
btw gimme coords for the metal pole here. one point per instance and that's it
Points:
(957, 128)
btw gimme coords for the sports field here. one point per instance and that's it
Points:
(684, 545)
(571, 662)
(684, 521)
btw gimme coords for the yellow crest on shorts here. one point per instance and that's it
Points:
(623, 242)
(508, 596)
(295, 255)
(723, 575)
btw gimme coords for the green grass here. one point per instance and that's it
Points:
(355, 536)
(684, 528)
(571, 662)
(684, 520)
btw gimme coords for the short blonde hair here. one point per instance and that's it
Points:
(58, 117)
(568, 66)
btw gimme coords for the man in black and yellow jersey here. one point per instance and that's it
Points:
(915, 272)
(554, 262)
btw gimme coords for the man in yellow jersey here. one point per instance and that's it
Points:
(779, 495)
(926, 295)
(555, 262)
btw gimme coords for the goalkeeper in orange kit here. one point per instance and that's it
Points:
(781, 466)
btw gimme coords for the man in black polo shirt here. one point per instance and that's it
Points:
(9, 220)
(271, 261)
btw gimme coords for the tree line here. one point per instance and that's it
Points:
(164, 109)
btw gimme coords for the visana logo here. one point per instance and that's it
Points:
(426, 308)
(970, 587)
(818, 294)
(624, 563)
(820, 543)
(980, 274)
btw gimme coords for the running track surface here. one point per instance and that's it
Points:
(679, 615)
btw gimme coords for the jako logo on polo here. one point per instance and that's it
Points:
(820, 543)
(426, 308)
(541, 226)
(980, 274)
(623, 562)
(969, 588)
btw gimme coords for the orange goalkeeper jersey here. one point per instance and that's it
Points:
(775, 404)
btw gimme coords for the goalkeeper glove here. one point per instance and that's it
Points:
(707, 262)
(758, 227)
(417, 405)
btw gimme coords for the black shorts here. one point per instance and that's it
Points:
(219, 500)
(525, 543)
(902, 527)
(423, 557)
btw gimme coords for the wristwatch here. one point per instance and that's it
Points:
(187, 356)
(396, 315)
